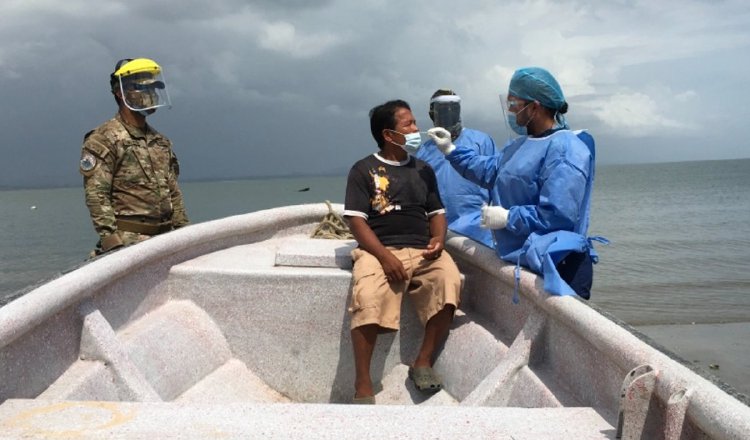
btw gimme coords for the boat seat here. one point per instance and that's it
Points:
(316, 252)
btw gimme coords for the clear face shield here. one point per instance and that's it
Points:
(445, 111)
(144, 91)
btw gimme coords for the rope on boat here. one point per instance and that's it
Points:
(332, 227)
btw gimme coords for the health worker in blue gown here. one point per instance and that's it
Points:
(541, 182)
(463, 199)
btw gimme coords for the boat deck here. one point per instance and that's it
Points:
(112, 420)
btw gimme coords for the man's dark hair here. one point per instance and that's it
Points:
(114, 82)
(383, 117)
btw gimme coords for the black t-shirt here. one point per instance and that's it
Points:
(396, 199)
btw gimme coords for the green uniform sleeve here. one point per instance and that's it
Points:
(97, 165)
(179, 216)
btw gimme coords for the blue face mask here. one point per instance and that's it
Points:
(518, 129)
(513, 122)
(412, 142)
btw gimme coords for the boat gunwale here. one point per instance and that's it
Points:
(28, 311)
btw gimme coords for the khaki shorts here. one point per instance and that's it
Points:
(432, 284)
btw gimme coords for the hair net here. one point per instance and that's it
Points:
(537, 84)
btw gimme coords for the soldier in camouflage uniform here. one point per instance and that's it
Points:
(129, 169)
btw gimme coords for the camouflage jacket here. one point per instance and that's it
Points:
(130, 172)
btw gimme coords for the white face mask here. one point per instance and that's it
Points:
(412, 142)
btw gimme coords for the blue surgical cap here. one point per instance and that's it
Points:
(537, 84)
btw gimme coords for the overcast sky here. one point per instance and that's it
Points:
(283, 87)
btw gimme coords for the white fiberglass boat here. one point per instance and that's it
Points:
(238, 328)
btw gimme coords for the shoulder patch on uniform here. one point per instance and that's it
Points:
(88, 162)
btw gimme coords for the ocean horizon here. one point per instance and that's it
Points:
(338, 173)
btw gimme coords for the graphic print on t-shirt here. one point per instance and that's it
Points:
(381, 199)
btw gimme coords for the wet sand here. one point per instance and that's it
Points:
(721, 350)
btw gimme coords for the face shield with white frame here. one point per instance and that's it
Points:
(142, 85)
(445, 111)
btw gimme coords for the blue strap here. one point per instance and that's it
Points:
(592, 251)
(598, 238)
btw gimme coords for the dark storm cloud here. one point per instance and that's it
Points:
(284, 87)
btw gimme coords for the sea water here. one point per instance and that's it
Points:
(679, 232)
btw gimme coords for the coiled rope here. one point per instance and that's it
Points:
(332, 227)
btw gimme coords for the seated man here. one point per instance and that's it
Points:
(462, 198)
(394, 211)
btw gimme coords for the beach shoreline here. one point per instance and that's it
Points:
(719, 350)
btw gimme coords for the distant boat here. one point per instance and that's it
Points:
(238, 328)
(307, 188)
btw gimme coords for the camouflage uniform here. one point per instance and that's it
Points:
(130, 181)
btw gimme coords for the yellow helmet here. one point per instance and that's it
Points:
(141, 83)
(138, 65)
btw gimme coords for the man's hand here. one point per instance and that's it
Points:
(494, 217)
(392, 267)
(111, 241)
(434, 249)
(442, 138)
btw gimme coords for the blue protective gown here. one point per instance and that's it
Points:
(462, 199)
(545, 183)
